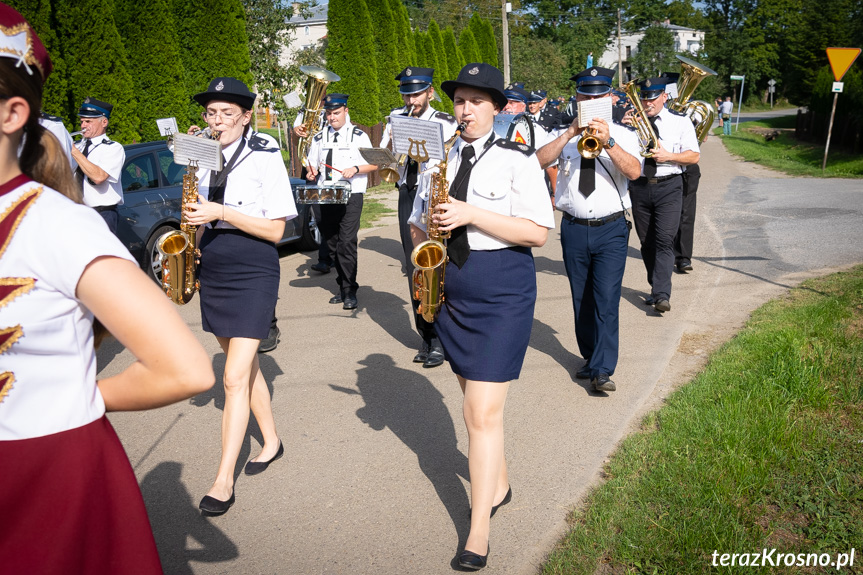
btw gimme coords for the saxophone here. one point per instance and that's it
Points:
(429, 258)
(178, 249)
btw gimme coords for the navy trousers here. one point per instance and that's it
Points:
(406, 206)
(656, 211)
(686, 233)
(595, 258)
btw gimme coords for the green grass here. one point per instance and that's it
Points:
(787, 154)
(762, 450)
(373, 208)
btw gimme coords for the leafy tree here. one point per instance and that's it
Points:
(97, 62)
(208, 54)
(468, 46)
(527, 50)
(349, 46)
(655, 53)
(405, 49)
(388, 65)
(159, 78)
(485, 40)
(455, 60)
(422, 57)
(442, 64)
(55, 94)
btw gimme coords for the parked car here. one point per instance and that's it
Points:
(152, 190)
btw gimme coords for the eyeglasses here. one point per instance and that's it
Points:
(225, 115)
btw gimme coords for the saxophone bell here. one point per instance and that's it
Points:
(177, 248)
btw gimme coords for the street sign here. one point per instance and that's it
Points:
(771, 89)
(737, 77)
(840, 60)
(771, 83)
(837, 87)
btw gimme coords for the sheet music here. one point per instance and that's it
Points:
(413, 136)
(590, 109)
(205, 152)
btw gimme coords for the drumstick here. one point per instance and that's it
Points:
(331, 167)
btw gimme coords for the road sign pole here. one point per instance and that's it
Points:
(829, 130)
(739, 104)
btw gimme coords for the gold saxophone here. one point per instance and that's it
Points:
(178, 249)
(429, 258)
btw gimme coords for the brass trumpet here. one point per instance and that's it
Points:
(589, 146)
(390, 172)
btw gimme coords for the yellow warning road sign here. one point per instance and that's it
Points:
(841, 59)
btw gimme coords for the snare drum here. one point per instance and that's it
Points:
(515, 128)
(336, 193)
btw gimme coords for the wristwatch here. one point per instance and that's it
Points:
(610, 144)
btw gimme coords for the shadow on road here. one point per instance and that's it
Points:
(413, 409)
(175, 518)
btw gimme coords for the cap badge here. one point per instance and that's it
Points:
(473, 71)
(220, 86)
(593, 72)
(87, 100)
(408, 72)
(647, 83)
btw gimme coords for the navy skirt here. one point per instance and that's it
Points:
(485, 322)
(239, 277)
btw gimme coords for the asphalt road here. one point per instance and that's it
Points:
(374, 478)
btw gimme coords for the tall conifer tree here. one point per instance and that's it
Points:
(468, 46)
(442, 67)
(350, 54)
(455, 60)
(405, 49)
(484, 35)
(97, 63)
(386, 41)
(151, 43)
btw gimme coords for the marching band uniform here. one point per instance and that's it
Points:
(413, 80)
(593, 197)
(55, 125)
(63, 459)
(340, 223)
(108, 155)
(657, 196)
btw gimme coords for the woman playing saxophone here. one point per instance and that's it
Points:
(499, 208)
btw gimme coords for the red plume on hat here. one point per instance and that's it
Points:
(19, 41)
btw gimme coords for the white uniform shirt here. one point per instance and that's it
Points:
(257, 186)
(676, 134)
(52, 361)
(505, 181)
(56, 127)
(612, 187)
(346, 154)
(109, 156)
(431, 115)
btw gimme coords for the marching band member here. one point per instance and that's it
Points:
(334, 155)
(657, 196)
(241, 214)
(499, 210)
(54, 124)
(415, 87)
(594, 235)
(70, 501)
(100, 160)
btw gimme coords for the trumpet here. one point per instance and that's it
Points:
(390, 172)
(589, 146)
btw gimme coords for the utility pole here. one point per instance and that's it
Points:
(505, 34)
(619, 53)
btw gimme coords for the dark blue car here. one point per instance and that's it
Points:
(152, 189)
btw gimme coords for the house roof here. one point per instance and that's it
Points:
(318, 15)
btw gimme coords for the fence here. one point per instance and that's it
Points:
(812, 127)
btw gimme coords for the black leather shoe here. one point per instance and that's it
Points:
(255, 467)
(649, 300)
(506, 499)
(271, 342)
(683, 266)
(472, 561)
(423, 353)
(350, 302)
(337, 299)
(321, 267)
(583, 373)
(603, 383)
(662, 305)
(212, 507)
(435, 356)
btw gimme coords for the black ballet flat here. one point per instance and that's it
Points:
(472, 561)
(255, 467)
(506, 499)
(212, 507)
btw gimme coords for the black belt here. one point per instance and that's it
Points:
(101, 209)
(592, 222)
(642, 180)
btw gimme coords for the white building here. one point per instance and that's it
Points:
(307, 32)
(685, 40)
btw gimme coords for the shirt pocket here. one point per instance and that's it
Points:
(491, 195)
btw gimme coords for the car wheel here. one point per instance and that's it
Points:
(311, 235)
(153, 265)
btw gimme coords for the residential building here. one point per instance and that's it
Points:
(685, 40)
(307, 32)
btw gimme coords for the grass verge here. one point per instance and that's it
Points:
(373, 207)
(761, 451)
(786, 154)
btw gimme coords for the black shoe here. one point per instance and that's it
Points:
(321, 267)
(472, 561)
(350, 302)
(649, 300)
(583, 373)
(212, 507)
(506, 499)
(684, 266)
(435, 356)
(662, 305)
(337, 298)
(423, 353)
(271, 342)
(603, 383)
(255, 467)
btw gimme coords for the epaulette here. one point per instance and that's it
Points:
(444, 116)
(318, 137)
(510, 145)
(108, 142)
(257, 143)
(627, 126)
(676, 113)
(46, 116)
(358, 132)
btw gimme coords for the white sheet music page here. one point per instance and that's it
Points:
(590, 109)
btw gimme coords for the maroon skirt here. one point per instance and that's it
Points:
(70, 503)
